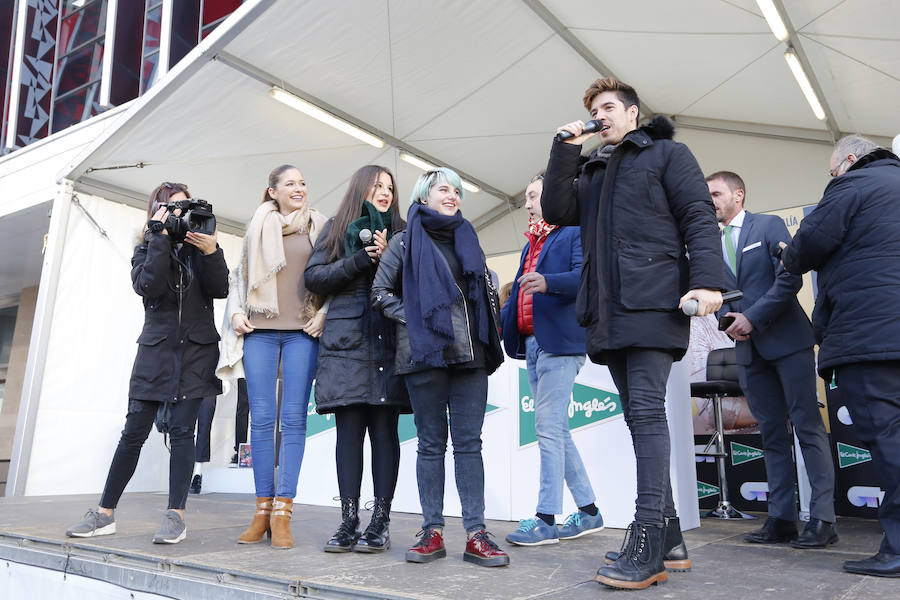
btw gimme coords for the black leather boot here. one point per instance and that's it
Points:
(377, 536)
(348, 532)
(676, 555)
(640, 564)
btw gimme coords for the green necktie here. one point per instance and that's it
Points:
(729, 249)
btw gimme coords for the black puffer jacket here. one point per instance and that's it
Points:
(387, 296)
(637, 213)
(356, 350)
(179, 347)
(852, 238)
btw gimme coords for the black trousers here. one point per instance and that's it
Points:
(204, 429)
(138, 422)
(241, 414)
(640, 374)
(381, 423)
(872, 393)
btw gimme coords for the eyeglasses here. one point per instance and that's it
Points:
(835, 171)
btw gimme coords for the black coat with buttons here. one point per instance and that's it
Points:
(179, 346)
(648, 233)
(356, 350)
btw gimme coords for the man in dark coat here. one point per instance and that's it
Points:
(852, 239)
(640, 199)
(776, 365)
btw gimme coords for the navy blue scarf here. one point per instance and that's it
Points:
(429, 289)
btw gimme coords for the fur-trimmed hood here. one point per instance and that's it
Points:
(659, 128)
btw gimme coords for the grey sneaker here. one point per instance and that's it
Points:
(172, 529)
(93, 523)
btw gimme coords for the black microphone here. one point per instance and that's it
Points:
(365, 236)
(690, 307)
(589, 127)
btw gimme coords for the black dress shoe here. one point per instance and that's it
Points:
(196, 483)
(816, 534)
(882, 564)
(774, 531)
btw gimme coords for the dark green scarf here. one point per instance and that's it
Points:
(371, 220)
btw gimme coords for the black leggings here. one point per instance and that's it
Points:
(352, 423)
(138, 422)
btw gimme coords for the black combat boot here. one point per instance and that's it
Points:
(676, 555)
(640, 564)
(348, 532)
(377, 537)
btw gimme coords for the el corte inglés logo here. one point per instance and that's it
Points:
(587, 406)
(704, 490)
(741, 453)
(851, 455)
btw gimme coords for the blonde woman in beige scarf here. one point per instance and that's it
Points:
(272, 320)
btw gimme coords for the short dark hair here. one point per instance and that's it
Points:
(624, 92)
(732, 180)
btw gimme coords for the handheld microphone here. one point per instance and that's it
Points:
(365, 236)
(589, 127)
(690, 307)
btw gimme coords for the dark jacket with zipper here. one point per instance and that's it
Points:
(179, 346)
(387, 297)
(852, 238)
(356, 350)
(641, 214)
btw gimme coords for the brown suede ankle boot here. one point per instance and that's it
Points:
(260, 524)
(281, 523)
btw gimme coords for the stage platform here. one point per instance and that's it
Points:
(209, 564)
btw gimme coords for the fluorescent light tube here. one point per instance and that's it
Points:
(317, 113)
(773, 19)
(805, 86)
(427, 166)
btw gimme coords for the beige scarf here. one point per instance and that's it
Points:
(265, 252)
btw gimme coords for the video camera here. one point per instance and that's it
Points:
(196, 215)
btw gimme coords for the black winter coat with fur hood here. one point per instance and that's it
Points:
(649, 234)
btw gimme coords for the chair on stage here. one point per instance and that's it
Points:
(721, 381)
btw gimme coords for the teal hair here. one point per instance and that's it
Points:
(429, 179)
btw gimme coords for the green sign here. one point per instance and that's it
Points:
(851, 455)
(407, 425)
(587, 406)
(741, 453)
(704, 490)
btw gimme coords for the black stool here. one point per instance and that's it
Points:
(721, 381)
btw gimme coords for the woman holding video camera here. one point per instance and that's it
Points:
(271, 320)
(176, 358)
(432, 280)
(355, 379)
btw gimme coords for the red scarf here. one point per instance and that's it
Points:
(539, 227)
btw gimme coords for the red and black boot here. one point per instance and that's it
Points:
(429, 547)
(484, 552)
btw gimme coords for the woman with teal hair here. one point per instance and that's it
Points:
(433, 282)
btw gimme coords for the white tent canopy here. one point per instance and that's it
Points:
(481, 87)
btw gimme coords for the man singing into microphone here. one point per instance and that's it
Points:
(776, 366)
(641, 200)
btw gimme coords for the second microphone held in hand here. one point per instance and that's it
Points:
(690, 307)
(365, 236)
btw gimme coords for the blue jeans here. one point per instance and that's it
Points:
(551, 377)
(464, 393)
(263, 351)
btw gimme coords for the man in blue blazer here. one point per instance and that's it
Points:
(539, 325)
(776, 365)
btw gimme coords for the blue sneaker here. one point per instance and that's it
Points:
(580, 523)
(534, 532)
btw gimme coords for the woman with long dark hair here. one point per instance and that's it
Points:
(272, 320)
(175, 364)
(432, 280)
(355, 379)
